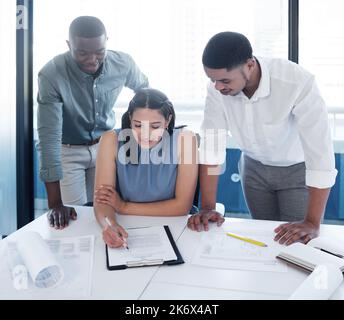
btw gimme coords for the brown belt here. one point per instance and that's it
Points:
(90, 143)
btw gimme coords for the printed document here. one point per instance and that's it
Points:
(148, 244)
(217, 250)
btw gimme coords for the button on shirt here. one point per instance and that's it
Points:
(284, 123)
(75, 107)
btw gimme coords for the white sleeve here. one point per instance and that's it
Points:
(213, 131)
(311, 115)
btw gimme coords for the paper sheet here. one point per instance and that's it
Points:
(320, 284)
(309, 257)
(331, 244)
(217, 250)
(145, 244)
(74, 255)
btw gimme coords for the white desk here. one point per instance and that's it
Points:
(122, 284)
(186, 281)
(198, 282)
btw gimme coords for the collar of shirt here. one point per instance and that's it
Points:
(263, 89)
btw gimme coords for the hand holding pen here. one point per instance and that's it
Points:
(114, 235)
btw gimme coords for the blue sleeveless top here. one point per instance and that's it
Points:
(147, 175)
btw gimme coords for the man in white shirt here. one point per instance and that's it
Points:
(275, 113)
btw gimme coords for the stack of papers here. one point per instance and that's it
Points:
(321, 250)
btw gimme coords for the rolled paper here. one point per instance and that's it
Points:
(40, 262)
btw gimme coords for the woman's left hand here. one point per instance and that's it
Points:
(108, 195)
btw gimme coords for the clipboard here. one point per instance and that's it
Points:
(148, 262)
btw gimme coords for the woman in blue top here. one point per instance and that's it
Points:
(146, 168)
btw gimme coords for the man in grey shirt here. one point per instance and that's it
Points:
(76, 94)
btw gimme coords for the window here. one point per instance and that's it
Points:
(322, 46)
(166, 38)
(321, 52)
(8, 208)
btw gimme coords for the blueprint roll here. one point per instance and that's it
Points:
(40, 262)
(320, 284)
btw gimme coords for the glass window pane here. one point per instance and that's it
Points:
(322, 46)
(8, 206)
(166, 39)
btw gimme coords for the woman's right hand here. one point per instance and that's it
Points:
(115, 236)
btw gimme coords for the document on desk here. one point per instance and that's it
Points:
(76, 256)
(217, 250)
(73, 255)
(147, 246)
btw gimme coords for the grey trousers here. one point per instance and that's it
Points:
(78, 165)
(274, 193)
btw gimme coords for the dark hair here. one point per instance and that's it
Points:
(226, 50)
(86, 27)
(151, 99)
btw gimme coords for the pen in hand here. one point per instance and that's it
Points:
(125, 245)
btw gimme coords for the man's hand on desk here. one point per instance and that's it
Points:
(291, 232)
(201, 219)
(58, 217)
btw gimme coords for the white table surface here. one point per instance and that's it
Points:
(186, 281)
(120, 284)
(198, 282)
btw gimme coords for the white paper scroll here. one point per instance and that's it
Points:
(37, 257)
(320, 284)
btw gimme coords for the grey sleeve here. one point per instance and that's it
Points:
(135, 78)
(49, 126)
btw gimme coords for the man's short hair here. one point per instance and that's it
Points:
(226, 50)
(86, 27)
